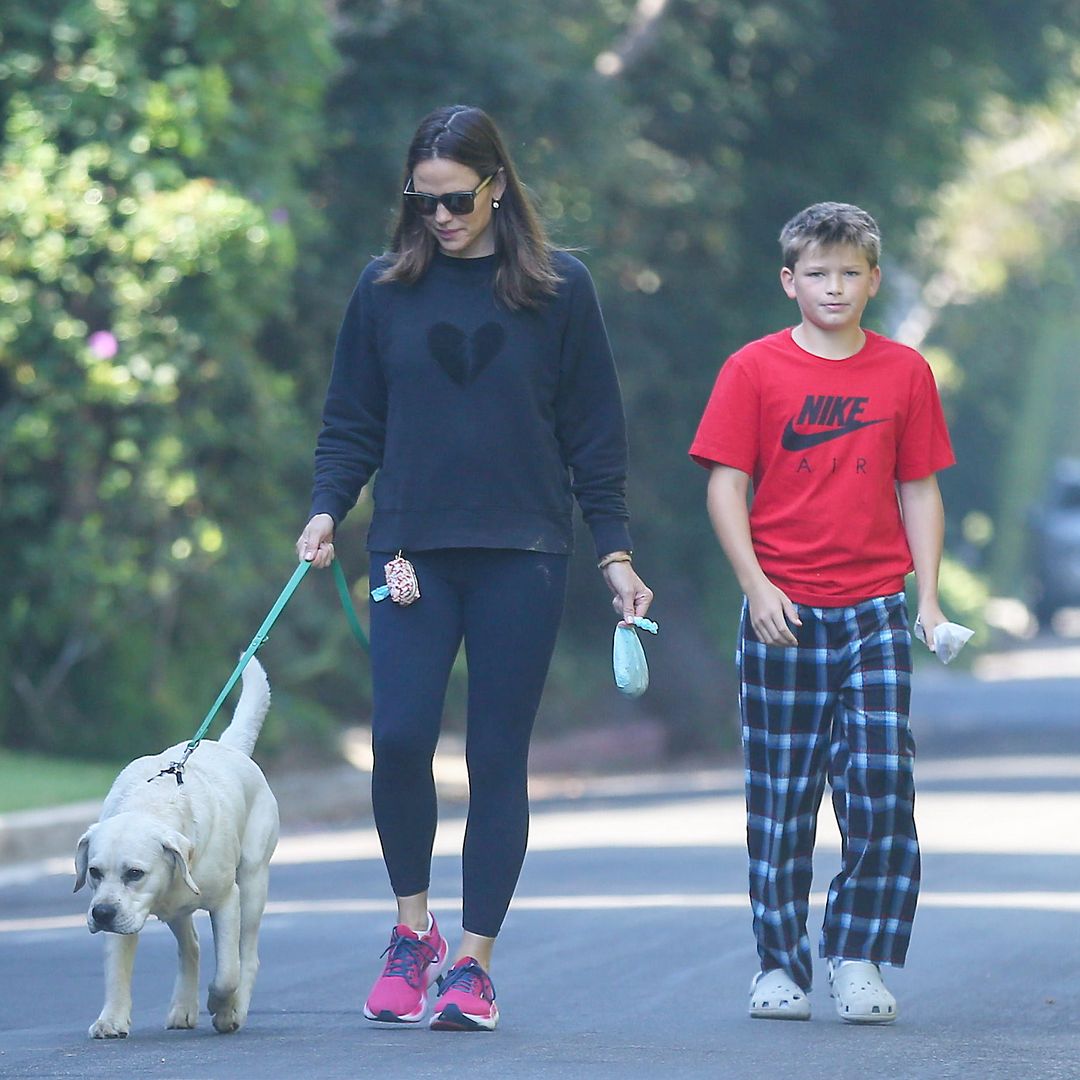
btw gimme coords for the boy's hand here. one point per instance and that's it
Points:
(932, 617)
(770, 613)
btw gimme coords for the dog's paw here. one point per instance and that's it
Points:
(228, 1020)
(110, 1027)
(182, 1016)
(228, 1010)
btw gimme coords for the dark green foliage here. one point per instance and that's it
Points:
(203, 181)
(150, 154)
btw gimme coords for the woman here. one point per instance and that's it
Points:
(473, 371)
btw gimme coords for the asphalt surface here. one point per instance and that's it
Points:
(628, 951)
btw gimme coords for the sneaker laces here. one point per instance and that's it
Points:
(407, 957)
(470, 978)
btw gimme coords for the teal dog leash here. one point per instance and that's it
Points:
(176, 768)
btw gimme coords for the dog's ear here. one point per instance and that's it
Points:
(81, 850)
(178, 847)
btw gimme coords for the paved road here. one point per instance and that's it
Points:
(628, 951)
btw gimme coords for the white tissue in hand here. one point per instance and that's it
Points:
(949, 639)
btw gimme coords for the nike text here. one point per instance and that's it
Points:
(837, 415)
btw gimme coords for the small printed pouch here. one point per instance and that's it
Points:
(401, 584)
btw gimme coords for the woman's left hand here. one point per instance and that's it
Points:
(631, 595)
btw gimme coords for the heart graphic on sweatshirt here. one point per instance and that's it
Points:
(462, 356)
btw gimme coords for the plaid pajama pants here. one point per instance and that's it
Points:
(835, 707)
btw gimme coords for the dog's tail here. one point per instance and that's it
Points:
(243, 732)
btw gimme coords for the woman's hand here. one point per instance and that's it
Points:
(316, 543)
(631, 595)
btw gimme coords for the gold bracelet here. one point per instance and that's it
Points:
(614, 557)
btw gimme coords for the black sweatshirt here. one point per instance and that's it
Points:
(481, 421)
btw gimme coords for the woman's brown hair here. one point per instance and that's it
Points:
(525, 276)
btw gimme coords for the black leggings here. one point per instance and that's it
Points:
(506, 605)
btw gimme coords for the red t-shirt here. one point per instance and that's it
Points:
(825, 443)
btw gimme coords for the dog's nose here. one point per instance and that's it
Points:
(103, 914)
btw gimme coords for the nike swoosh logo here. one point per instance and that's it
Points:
(794, 440)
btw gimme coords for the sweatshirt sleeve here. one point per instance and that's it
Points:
(350, 443)
(590, 424)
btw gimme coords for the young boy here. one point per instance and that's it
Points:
(841, 431)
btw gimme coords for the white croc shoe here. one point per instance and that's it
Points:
(774, 995)
(860, 994)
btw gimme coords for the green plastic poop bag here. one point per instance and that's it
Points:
(628, 661)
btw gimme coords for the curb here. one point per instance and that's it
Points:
(340, 793)
(331, 795)
(43, 834)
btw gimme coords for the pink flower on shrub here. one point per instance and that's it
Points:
(103, 344)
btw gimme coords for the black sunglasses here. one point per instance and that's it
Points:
(459, 203)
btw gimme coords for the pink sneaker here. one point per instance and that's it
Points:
(413, 962)
(466, 999)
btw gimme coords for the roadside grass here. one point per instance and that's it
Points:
(33, 781)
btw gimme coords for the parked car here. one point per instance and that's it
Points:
(1055, 548)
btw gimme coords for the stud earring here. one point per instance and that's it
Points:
(494, 204)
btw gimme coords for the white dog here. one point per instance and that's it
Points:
(168, 849)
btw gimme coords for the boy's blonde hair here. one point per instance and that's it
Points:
(830, 224)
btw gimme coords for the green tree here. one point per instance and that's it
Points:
(149, 171)
(189, 190)
(1006, 228)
